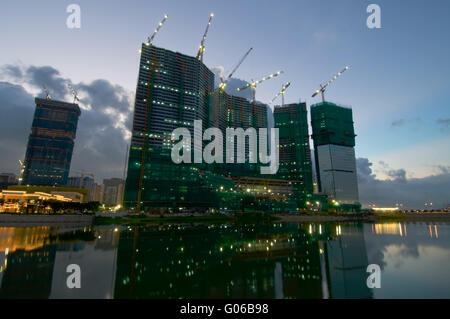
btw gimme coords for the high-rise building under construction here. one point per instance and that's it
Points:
(50, 144)
(334, 152)
(295, 151)
(173, 90)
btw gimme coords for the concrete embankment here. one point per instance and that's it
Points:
(319, 218)
(22, 220)
(408, 217)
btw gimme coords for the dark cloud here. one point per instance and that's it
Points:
(412, 192)
(364, 169)
(398, 175)
(103, 128)
(101, 94)
(17, 107)
(39, 77)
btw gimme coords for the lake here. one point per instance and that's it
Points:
(278, 260)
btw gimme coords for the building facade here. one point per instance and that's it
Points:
(112, 190)
(50, 144)
(334, 153)
(229, 111)
(86, 182)
(295, 151)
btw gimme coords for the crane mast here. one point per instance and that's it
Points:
(74, 93)
(323, 87)
(47, 93)
(150, 39)
(223, 83)
(283, 90)
(202, 43)
(254, 84)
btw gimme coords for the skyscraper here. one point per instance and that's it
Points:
(295, 151)
(50, 144)
(334, 152)
(173, 90)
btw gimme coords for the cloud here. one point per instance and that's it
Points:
(402, 122)
(398, 175)
(218, 73)
(364, 169)
(395, 174)
(411, 192)
(444, 124)
(103, 127)
(13, 70)
(443, 169)
(17, 114)
(39, 77)
(399, 122)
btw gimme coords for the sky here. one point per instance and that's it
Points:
(397, 84)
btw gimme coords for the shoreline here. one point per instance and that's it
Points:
(22, 220)
(380, 218)
(29, 220)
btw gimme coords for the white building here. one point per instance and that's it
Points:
(337, 171)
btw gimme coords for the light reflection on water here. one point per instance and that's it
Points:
(327, 260)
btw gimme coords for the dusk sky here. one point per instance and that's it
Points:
(398, 82)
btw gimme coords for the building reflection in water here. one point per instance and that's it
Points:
(187, 261)
(35, 265)
(242, 261)
(346, 263)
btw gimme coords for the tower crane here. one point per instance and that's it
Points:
(283, 90)
(47, 93)
(74, 93)
(254, 84)
(223, 83)
(22, 169)
(202, 43)
(150, 39)
(323, 87)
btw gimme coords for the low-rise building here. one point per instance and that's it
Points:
(8, 179)
(14, 201)
(75, 194)
(113, 191)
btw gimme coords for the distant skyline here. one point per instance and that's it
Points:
(397, 84)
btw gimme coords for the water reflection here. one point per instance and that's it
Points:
(414, 258)
(222, 261)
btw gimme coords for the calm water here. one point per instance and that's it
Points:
(325, 260)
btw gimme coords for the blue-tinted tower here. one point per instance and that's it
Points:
(50, 144)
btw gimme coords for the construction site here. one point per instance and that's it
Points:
(173, 90)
